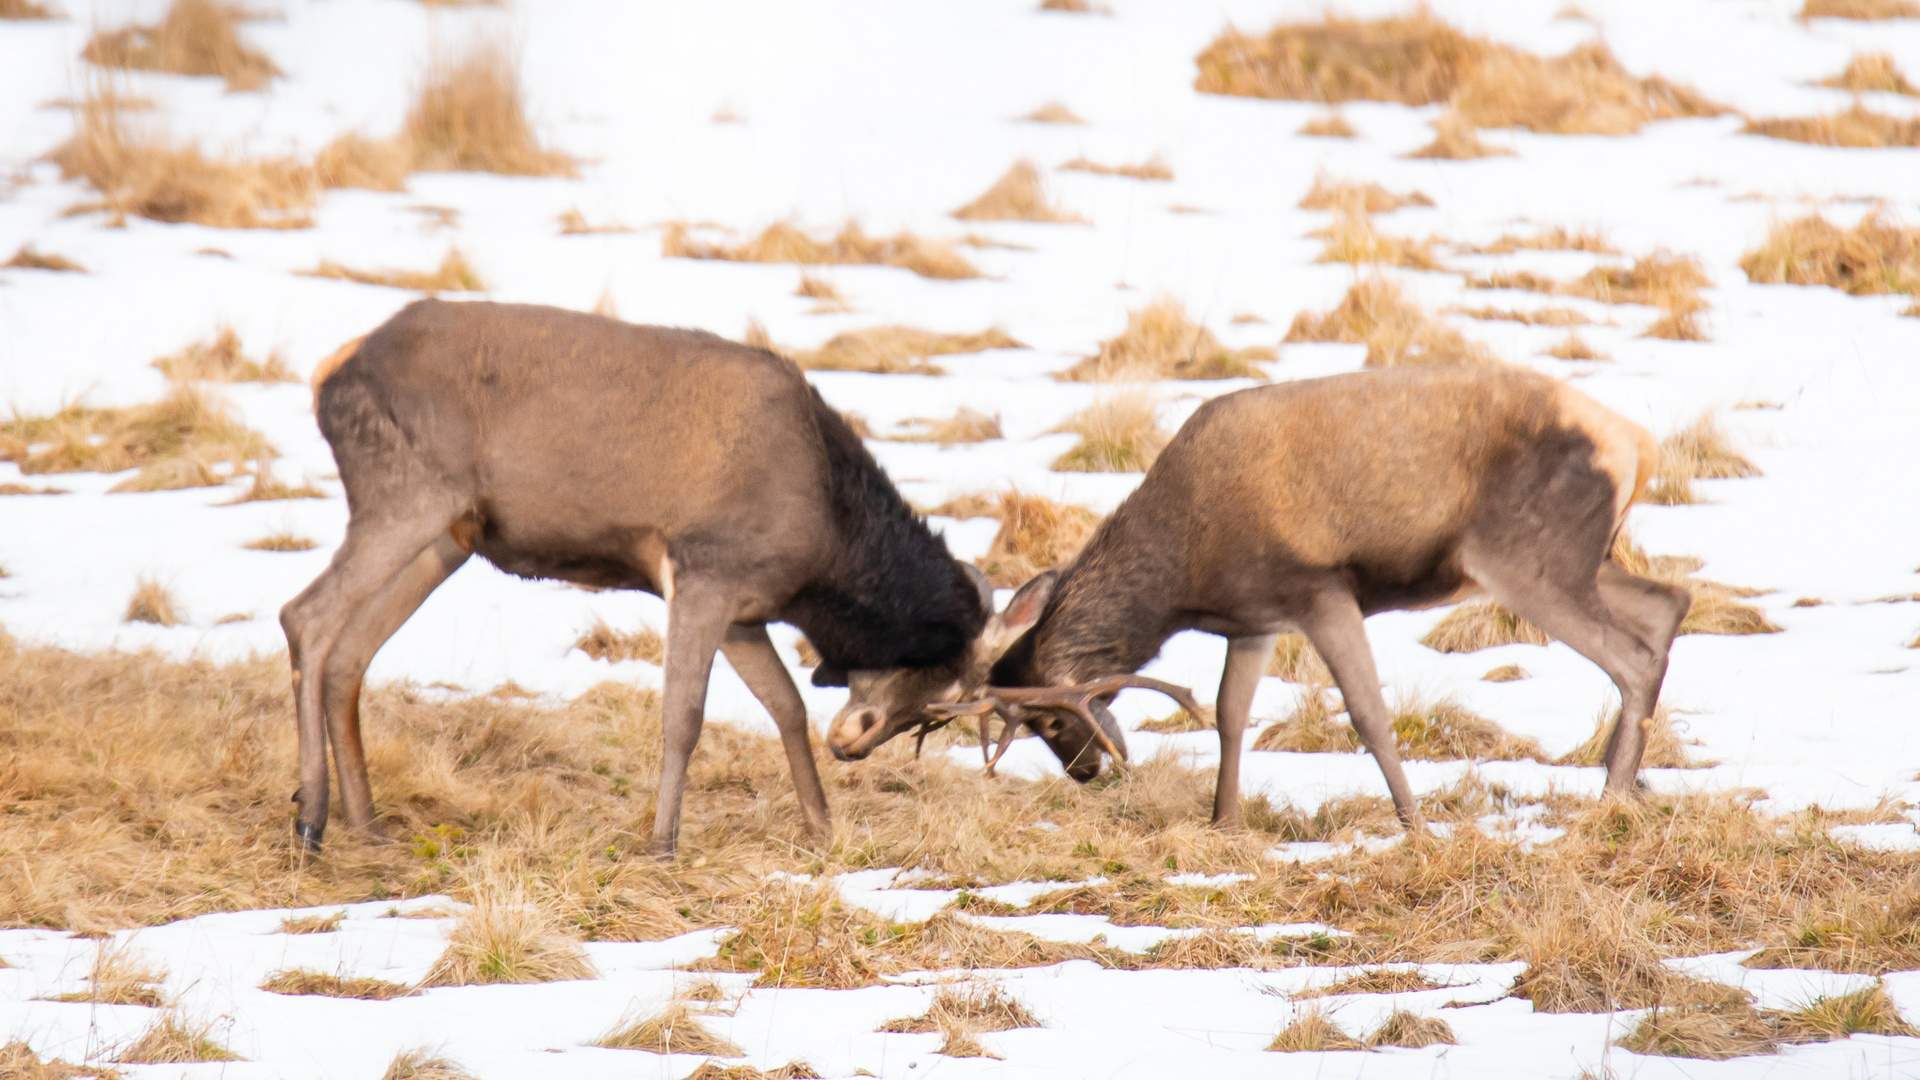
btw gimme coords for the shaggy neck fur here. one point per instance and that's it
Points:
(893, 597)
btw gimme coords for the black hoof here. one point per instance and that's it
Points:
(309, 834)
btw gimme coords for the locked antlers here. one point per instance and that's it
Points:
(1013, 705)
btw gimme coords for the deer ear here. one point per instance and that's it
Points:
(829, 676)
(1027, 604)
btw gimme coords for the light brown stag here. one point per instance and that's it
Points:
(1308, 506)
(570, 446)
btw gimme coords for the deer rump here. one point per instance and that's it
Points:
(569, 446)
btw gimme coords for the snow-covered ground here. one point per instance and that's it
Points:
(894, 114)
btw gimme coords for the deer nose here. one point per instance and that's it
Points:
(851, 729)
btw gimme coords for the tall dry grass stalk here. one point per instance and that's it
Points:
(1019, 195)
(1876, 255)
(1161, 342)
(1858, 127)
(1871, 73)
(469, 116)
(144, 173)
(174, 442)
(783, 242)
(507, 936)
(196, 37)
(220, 358)
(1330, 194)
(1395, 331)
(1121, 433)
(898, 350)
(1417, 59)
(454, 274)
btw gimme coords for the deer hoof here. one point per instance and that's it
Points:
(309, 833)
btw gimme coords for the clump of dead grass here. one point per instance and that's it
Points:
(196, 37)
(1371, 981)
(120, 976)
(1121, 433)
(1868, 73)
(973, 1007)
(469, 117)
(1860, 9)
(454, 274)
(298, 981)
(1700, 451)
(1351, 238)
(792, 1070)
(266, 487)
(312, 924)
(1660, 279)
(1412, 1031)
(1395, 331)
(1297, 661)
(1876, 255)
(1663, 749)
(574, 223)
(22, 9)
(1552, 316)
(784, 242)
(1161, 342)
(898, 350)
(221, 358)
(1331, 126)
(1714, 1031)
(1442, 729)
(966, 425)
(174, 1040)
(152, 602)
(1019, 195)
(174, 442)
(603, 642)
(1455, 140)
(1330, 194)
(1858, 127)
(31, 258)
(1053, 112)
(1505, 673)
(1558, 238)
(1314, 726)
(1313, 1031)
(1575, 347)
(424, 1064)
(282, 539)
(1036, 533)
(507, 936)
(672, 1030)
(145, 173)
(1582, 92)
(1482, 625)
(17, 1059)
(1716, 607)
(1151, 169)
(355, 160)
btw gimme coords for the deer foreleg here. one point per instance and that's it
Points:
(697, 620)
(1335, 627)
(1246, 662)
(753, 656)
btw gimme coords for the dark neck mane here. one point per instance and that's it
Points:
(894, 596)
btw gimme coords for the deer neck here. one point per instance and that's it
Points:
(1116, 604)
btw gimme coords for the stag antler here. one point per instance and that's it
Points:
(1076, 700)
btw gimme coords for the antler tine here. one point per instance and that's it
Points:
(1080, 695)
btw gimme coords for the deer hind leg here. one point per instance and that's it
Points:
(698, 615)
(753, 656)
(376, 548)
(346, 665)
(1338, 631)
(1246, 661)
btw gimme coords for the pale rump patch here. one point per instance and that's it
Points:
(1623, 449)
(324, 369)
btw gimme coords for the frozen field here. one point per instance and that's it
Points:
(894, 114)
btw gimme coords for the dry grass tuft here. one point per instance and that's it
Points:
(1036, 533)
(1714, 1031)
(320, 984)
(1868, 1011)
(1456, 140)
(120, 976)
(1664, 749)
(283, 539)
(312, 924)
(197, 37)
(17, 1059)
(1151, 169)
(1553, 316)
(574, 223)
(1412, 1030)
(30, 258)
(1716, 607)
(1351, 238)
(507, 936)
(1331, 126)
(1506, 673)
(898, 350)
(1372, 981)
(1181, 721)
(1482, 625)
(1019, 195)
(1330, 194)
(1053, 112)
(1698, 452)
(1860, 9)
(1313, 727)
(673, 1030)
(972, 1007)
(172, 1040)
(1161, 342)
(1558, 238)
(783, 242)
(1661, 279)
(1296, 661)
(817, 288)
(423, 1064)
(1575, 347)
(1442, 729)
(174, 442)
(221, 359)
(145, 174)
(1395, 331)
(468, 117)
(1870, 73)
(962, 1044)
(1074, 7)
(792, 1070)
(354, 160)
(1583, 92)
(23, 9)
(603, 642)
(268, 488)
(966, 425)
(1875, 256)
(1313, 1032)
(152, 602)
(1859, 127)
(1121, 433)
(454, 274)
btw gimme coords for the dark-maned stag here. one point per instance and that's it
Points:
(562, 445)
(1308, 506)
